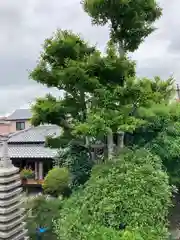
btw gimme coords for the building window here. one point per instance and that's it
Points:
(20, 126)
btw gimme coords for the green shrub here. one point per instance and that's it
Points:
(97, 232)
(77, 159)
(132, 190)
(27, 173)
(42, 212)
(57, 181)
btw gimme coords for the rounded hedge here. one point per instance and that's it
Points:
(56, 182)
(132, 190)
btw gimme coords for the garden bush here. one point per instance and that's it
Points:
(40, 213)
(77, 159)
(132, 189)
(57, 182)
(27, 173)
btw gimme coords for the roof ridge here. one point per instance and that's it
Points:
(20, 113)
(27, 129)
(22, 131)
(35, 134)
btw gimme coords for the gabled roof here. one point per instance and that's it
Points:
(20, 114)
(35, 134)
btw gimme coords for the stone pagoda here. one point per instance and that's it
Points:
(12, 226)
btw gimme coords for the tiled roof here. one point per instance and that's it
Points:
(30, 151)
(29, 143)
(20, 114)
(35, 134)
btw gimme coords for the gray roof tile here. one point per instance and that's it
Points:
(30, 151)
(20, 114)
(29, 143)
(35, 134)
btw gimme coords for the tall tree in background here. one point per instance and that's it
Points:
(100, 90)
(62, 65)
(130, 22)
(81, 72)
(128, 108)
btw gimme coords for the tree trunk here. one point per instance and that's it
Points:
(120, 135)
(110, 145)
(120, 142)
(121, 51)
(84, 114)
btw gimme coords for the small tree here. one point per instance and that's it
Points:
(78, 160)
(57, 182)
(43, 212)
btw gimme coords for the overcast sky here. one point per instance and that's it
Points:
(25, 24)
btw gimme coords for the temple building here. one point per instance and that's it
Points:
(27, 149)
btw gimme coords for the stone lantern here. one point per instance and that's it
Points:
(12, 226)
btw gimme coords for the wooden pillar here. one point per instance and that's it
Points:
(36, 170)
(41, 174)
(93, 154)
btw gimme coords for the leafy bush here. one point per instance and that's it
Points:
(40, 213)
(27, 173)
(97, 232)
(77, 159)
(132, 190)
(57, 181)
(161, 135)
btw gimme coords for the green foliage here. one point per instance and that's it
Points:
(126, 108)
(132, 190)
(77, 159)
(129, 21)
(83, 79)
(41, 212)
(27, 173)
(101, 96)
(161, 135)
(57, 182)
(101, 92)
(63, 65)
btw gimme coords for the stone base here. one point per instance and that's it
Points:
(20, 236)
(8, 171)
